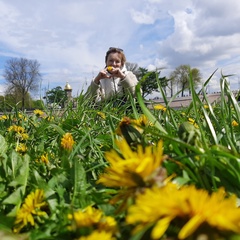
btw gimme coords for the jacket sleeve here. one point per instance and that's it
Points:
(129, 82)
(93, 91)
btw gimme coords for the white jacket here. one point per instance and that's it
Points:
(111, 86)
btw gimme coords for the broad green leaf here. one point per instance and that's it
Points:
(15, 197)
(22, 173)
(80, 195)
(3, 145)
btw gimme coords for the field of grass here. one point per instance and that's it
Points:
(111, 172)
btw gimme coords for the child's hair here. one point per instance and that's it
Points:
(116, 50)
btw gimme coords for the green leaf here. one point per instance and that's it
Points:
(147, 112)
(3, 145)
(22, 173)
(57, 128)
(15, 197)
(14, 163)
(80, 195)
(21, 179)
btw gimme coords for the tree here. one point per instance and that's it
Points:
(56, 96)
(13, 99)
(149, 81)
(180, 77)
(133, 67)
(13, 96)
(39, 104)
(22, 76)
(2, 103)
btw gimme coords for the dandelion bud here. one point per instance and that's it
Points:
(109, 68)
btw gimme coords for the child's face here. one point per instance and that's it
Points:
(114, 60)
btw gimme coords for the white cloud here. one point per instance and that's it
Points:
(201, 39)
(2, 89)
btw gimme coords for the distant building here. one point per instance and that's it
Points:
(180, 102)
(68, 91)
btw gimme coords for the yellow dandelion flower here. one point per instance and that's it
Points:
(92, 218)
(24, 136)
(16, 129)
(159, 107)
(98, 235)
(124, 122)
(67, 141)
(109, 68)
(10, 129)
(193, 206)
(50, 118)
(21, 148)
(38, 113)
(44, 158)
(19, 132)
(206, 106)
(108, 224)
(4, 117)
(193, 122)
(20, 116)
(132, 129)
(132, 168)
(142, 121)
(234, 123)
(87, 217)
(102, 115)
(30, 211)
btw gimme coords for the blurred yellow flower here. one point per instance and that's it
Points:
(19, 132)
(21, 148)
(38, 113)
(44, 158)
(102, 115)
(124, 122)
(17, 129)
(193, 206)
(132, 168)
(159, 107)
(30, 211)
(51, 118)
(193, 122)
(142, 121)
(108, 223)
(234, 123)
(98, 235)
(92, 218)
(4, 117)
(109, 68)
(86, 218)
(67, 141)
(127, 124)
(24, 136)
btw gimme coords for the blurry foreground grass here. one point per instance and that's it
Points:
(122, 173)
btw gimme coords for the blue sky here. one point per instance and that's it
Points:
(69, 38)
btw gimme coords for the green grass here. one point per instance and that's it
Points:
(204, 153)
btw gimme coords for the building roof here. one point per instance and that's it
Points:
(67, 87)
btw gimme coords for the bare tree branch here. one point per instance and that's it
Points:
(22, 75)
